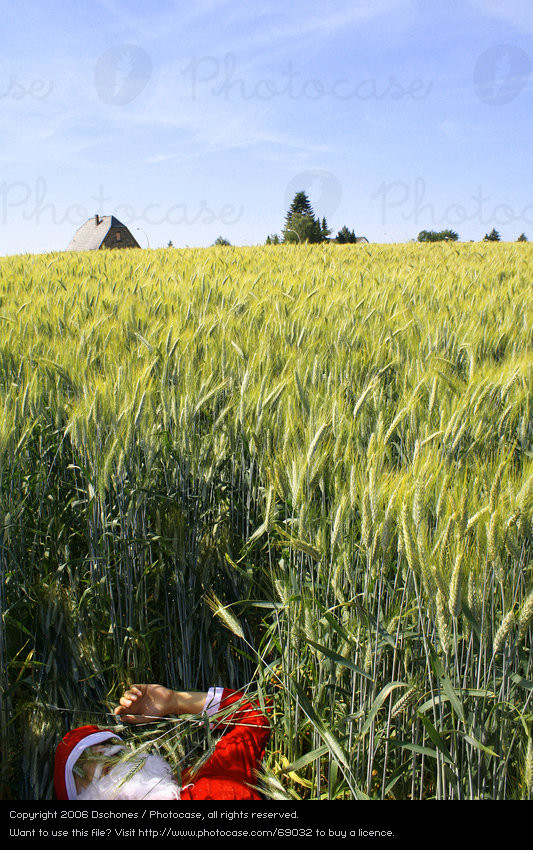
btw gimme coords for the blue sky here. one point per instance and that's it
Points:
(190, 120)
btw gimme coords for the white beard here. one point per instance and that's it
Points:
(150, 778)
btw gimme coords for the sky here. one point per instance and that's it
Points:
(198, 119)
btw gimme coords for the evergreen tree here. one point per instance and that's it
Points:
(345, 236)
(301, 224)
(522, 238)
(300, 205)
(493, 236)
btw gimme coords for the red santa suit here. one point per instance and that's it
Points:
(229, 773)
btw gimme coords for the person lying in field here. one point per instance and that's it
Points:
(94, 764)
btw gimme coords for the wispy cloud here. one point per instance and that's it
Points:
(517, 13)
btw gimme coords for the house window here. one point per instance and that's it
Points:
(117, 237)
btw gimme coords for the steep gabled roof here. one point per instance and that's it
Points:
(90, 236)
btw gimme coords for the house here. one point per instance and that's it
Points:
(102, 232)
(362, 239)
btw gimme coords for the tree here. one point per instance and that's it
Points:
(493, 236)
(302, 228)
(221, 241)
(326, 232)
(170, 244)
(345, 236)
(301, 224)
(522, 238)
(437, 236)
(301, 205)
(273, 239)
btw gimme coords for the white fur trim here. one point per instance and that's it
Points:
(75, 753)
(212, 703)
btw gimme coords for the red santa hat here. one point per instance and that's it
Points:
(68, 752)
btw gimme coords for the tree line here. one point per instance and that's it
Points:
(452, 236)
(302, 225)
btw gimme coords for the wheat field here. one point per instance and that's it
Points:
(303, 470)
